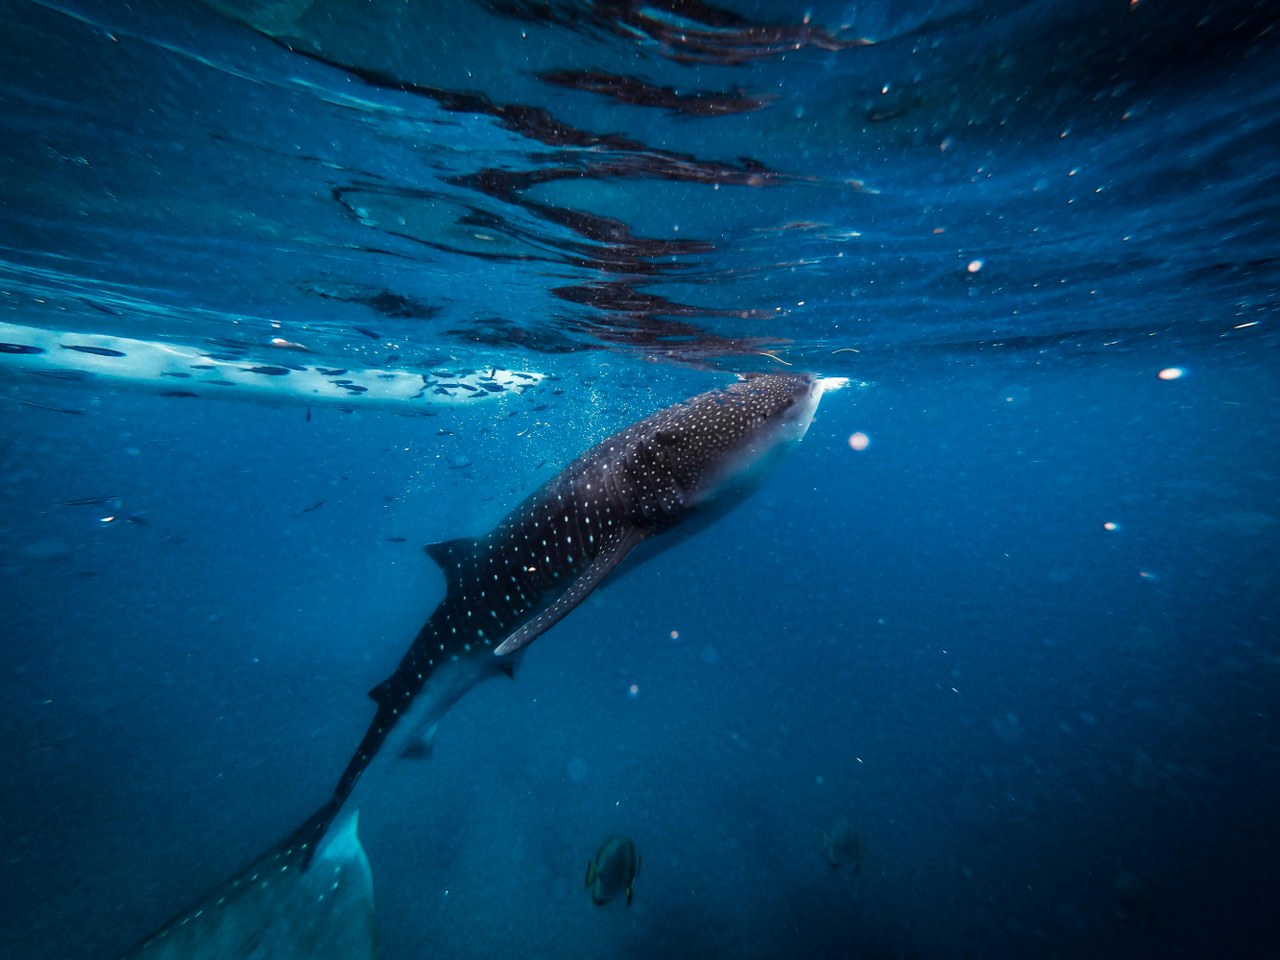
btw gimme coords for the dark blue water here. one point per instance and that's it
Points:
(1002, 220)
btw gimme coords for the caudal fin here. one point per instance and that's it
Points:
(282, 907)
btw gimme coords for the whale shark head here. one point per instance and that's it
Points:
(716, 446)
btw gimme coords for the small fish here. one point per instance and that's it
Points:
(268, 370)
(45, 406)
(394, 539)
(96, 351)
(613, 869)
(113, 502)
(840, 845)
(371, 334)
(315, 506)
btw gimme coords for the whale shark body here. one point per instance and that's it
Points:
(682, 466)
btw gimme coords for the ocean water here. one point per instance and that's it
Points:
(289, 289)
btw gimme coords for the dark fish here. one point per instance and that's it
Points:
(96, 351)
(613, 869)
(841, 846)
(269, 371)
(45, 406)
(394, 539)
(371, 334)
(114, 502)
(315, 506)
(100, 307)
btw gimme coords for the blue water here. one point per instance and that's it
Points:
(1003, 221)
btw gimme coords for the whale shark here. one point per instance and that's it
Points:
(680, 468)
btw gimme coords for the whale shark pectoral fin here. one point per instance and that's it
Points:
(613, 552)
(422, 745)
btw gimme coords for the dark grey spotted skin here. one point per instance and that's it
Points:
(562, 539)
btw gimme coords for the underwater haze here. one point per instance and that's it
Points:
(989, 667)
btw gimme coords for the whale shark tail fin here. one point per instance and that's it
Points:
(290, 904)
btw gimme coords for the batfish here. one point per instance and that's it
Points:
(613, 869)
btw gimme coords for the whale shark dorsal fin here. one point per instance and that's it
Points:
(448, 554)
(380, 693)
(613, 552)
(453, 557)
